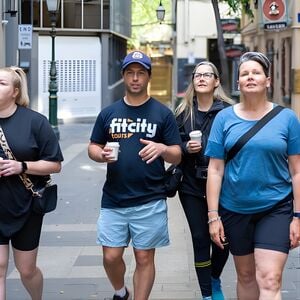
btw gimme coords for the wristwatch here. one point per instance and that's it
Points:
(24, 166)
(296, 215)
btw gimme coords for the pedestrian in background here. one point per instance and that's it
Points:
(203, 99)
(133, 203)
(258, 190)
(35, 147)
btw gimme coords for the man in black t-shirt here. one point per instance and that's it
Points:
(133, 205)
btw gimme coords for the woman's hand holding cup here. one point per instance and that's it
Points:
(194, 144)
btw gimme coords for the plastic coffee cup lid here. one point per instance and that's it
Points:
(113, 144)
(195, 133)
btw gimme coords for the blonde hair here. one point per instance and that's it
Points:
(187, 103)
(19, 81)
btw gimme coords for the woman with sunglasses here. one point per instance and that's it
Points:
(203, 99)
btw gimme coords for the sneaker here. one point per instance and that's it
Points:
(207, 298)
(126, 297)
(217, 293)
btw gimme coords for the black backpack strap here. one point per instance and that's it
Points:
(252, 131)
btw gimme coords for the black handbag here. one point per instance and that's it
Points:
(173, 178)
(44, 199)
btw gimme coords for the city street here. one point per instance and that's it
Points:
(72, 262)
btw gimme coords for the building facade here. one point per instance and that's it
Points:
(197, 39)
(90, 43)
(275, 31)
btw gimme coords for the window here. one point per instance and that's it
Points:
(72, 13)
(113, 15)
(92, 14)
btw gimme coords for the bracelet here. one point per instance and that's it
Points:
(296, 215)
(213, 220)
(212, 210)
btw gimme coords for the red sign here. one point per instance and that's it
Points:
(274, 14)
(274, 10)
(230, 25)
(234, 50)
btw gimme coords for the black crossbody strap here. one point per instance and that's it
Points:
(252, 131)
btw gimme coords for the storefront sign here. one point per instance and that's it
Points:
(234, 50)
(274, 14)
(230, 25)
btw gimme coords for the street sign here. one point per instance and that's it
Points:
(274, 14)
(25, 36)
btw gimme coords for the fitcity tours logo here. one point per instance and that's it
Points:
(125, 128)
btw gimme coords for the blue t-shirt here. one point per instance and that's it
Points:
(129, 180)
(258, 176)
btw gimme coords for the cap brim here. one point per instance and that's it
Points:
(136, 62)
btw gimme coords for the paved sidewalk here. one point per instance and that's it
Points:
(72, 262)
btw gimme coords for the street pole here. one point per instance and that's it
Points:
(53, 81)
(174, 102)
(53, 8)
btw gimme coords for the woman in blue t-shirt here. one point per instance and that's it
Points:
(254, 191)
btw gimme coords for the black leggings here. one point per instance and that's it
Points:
(209, 258)
(28, 237)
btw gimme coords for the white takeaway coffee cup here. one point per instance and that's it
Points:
(115, 146)
(196, 135)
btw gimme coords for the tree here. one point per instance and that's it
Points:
(221, 47)
(144, 19)
(240, 5)
(235, 6)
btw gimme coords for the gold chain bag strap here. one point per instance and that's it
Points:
(27, 182)
(45, 199)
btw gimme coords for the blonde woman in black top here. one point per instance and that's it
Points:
(204, 98)
(35, 147)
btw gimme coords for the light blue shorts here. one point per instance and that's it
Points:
(145, 225)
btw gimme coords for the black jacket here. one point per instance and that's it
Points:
(194, 166)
